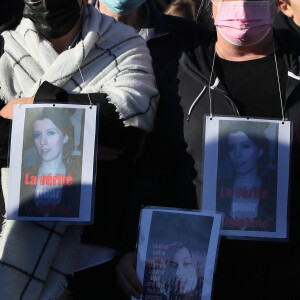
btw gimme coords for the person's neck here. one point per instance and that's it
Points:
(231, 52)
(251, 178)
(55, 166)
(61, 44)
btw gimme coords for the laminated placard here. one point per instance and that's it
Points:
(246, 175)
(52, 163)
(177, 251)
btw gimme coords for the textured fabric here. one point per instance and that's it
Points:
(38, 259)
(113, 59)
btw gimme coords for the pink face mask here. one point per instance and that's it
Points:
(243, 23)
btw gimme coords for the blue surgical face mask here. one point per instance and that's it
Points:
(123, 7)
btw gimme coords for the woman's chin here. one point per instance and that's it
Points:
(46, 158)
(184, 291)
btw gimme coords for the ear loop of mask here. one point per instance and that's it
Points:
(83, 81)
(278, 81)
(209, 86)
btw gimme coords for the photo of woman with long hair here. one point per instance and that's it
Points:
(177, 256)
(50, 186)
(247, 175)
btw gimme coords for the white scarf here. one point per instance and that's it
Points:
(112, 57)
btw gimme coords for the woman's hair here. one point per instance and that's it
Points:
(254, 131)
(182, 8)
(197, 10)
(57, 116)
(167, 284)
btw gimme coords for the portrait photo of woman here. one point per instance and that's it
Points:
(176, 257)
(52, 162)
(247, 175)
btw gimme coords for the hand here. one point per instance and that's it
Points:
(7, 111)
(126, 275)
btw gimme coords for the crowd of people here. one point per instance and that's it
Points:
(155, 76)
